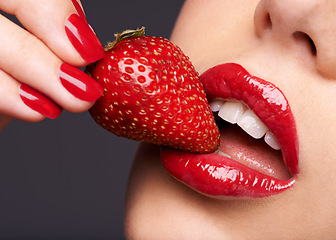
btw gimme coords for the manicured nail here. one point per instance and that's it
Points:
(79, 10)
(83, 39)
(38, 102)
(79, 84)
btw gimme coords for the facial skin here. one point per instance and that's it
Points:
(270, 38)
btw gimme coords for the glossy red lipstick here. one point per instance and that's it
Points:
(219, 176)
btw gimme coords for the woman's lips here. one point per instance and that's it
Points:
(219, 176)
(232, 81)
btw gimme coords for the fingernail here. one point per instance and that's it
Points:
(79, 84)
(79, 10)
(38, 102)
(83, 39)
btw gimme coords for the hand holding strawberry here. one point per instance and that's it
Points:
(153, 94)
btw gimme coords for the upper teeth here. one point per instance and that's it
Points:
(237, 112)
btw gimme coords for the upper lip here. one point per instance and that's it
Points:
(232, 81)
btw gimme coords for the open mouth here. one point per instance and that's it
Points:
(246, 139)
(258, 154)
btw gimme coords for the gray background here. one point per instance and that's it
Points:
(66, 178)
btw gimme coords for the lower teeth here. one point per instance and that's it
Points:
(223, 154)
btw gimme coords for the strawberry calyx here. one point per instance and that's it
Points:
(125, 35)
(139, 32)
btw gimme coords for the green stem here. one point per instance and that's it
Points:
(125, 35)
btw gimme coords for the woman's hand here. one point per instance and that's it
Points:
(38, 74)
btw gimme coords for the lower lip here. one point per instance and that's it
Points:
(218, 176)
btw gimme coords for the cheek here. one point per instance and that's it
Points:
(317, 132)
(314, 109)
(205, 29)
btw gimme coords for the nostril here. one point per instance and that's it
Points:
(268, 22)
(262, 20)
(305, 39)
(265, 21)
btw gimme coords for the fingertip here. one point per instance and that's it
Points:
(79, 84)
(83, 39)
(82, 36)
(39, 103)
(19, 101)
(100, 49)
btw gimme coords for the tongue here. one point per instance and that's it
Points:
(253, 153)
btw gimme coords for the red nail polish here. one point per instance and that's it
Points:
(79, 84)
(83, 39)
(79, 10)
(38, 102)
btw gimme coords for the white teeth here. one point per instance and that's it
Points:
(271, 140)
(237, 112)
(232, 111)
(251, 124)
(216, 105)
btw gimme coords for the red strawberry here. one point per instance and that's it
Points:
(153, 94)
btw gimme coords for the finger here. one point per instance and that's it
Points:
(61, 25)
(29, 61)
(21, 102)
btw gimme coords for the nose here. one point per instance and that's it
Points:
(301, 23)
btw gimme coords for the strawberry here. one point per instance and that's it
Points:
(153, 94)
